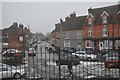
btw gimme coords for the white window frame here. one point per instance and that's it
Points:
(90, 21)
(88, 42)
(66, 35)
(79, 35)
(105, 31)
(108, 44)
(66, 43)
(117, 44)
(79, 44)
(90, 32)
(104, 19)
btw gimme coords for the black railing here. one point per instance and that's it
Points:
(48, 64)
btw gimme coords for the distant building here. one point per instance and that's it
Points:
(16, 36)
(69, 33)
(37, 37)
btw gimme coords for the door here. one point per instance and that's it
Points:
(100, 46)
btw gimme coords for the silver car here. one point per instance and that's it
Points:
(83, 55)
(7, 71)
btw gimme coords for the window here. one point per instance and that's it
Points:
(107, 44)
(88, 44)
(79, 35)
(117, 44)
(105, 31)
(67, 43)
(104, 19)
(90, 32)
(79, 44)
(66, 35)
(90, 21)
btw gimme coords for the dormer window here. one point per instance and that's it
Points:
(90, 21)
(104, 19)
(104, 16)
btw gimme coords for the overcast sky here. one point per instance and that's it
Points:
(42, 16)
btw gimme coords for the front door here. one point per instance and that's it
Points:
(100, 46)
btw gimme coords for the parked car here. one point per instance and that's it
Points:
(68, 59)
(50, 48)
(31, 52)
(11, 53)
(7, 71)
(112, 59)
(83, 55)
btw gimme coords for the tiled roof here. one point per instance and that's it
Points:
(111, 10)
(74, 24)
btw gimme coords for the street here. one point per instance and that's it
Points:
(43, 65)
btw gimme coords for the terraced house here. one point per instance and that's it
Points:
(100, 29)
(69, 32)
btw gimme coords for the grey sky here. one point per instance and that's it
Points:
(42, 16)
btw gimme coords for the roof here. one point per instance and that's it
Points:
(74, 24)
(110, 10)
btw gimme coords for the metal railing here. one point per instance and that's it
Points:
(47, 64)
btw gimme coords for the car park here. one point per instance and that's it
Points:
(112, 59)
(83, 55)
(7, 71)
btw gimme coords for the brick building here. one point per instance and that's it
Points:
(16, 36)
(69, 32)
(102, 28)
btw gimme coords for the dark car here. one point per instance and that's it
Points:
(112, 59)
(68, 59)
(31, 52)
(11, 53)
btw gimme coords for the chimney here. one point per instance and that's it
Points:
(61, 21)
(67, 18)
(25, 28)
(72, 15)
(89, 10)
(15, 24)
(57, 25)
(21, 26)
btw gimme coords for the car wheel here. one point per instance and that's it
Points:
(17, 75)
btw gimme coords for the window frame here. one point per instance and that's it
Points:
(105, 31)
(104, 18)
(90, 32)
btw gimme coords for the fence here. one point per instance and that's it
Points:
(47, 64)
